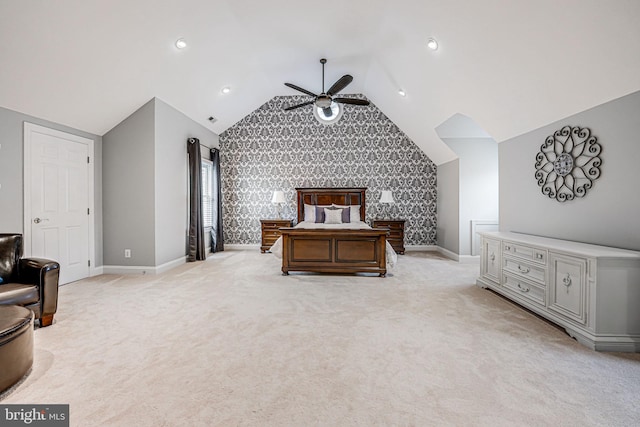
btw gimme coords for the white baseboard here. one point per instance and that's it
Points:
(420, 248)
(447, 253)
(469, 259)
(463, 259)
(141, 269)
(253, 247)
(96, 271)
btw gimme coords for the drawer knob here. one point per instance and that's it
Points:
(566, 281)
(523, 270)
(539, 256)
(523, 288)
(492, 257)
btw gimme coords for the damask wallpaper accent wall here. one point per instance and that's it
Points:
(271, 149)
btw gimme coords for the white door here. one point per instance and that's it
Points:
(57, 199)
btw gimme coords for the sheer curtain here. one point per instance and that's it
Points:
(196, 251)
(217, 239)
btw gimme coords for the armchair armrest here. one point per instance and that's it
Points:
(44, 273)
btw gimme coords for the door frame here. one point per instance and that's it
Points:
(30, 128)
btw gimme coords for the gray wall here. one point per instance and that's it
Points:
(448, 232)
(128, 171)
(272, 149)
(171, 179)
(608, 214)
(145, 185)
(11, 172)
(479, 184)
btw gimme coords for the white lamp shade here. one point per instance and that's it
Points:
(386, 197)
(278, 197)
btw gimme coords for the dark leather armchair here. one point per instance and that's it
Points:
(28, 282)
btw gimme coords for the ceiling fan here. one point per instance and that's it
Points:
(324, 100)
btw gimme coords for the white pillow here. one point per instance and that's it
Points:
(355, 211)
(310, 212)
(332, 216)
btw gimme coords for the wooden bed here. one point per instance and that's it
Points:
(333, 251)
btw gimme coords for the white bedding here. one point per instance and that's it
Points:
(391, 255)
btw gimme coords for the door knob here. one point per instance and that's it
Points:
(39, 220)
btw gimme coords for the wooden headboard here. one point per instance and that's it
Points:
(327, 196)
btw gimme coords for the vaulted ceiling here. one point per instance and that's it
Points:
(510, 65)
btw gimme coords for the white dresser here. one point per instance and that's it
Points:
(592, 291)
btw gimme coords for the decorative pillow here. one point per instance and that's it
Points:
(310, 212)
(333, 216)
(346, 214)
(320, 213)
(354, 215)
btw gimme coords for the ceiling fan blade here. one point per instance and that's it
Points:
(340, 84)
(327, 111)
(353, 101)
(298, 88)
(293, 107)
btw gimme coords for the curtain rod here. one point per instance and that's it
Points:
(210, 148)
(192, 140)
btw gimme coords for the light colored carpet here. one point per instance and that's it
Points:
(231, 342)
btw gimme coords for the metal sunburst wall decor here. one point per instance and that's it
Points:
(568, 163)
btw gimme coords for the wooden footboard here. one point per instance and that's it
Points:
(334, 251)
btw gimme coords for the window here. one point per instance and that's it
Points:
(207, 193)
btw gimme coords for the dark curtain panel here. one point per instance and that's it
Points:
(196, 250)
(217, 240)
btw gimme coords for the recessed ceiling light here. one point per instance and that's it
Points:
(401, 92)
(181, 44)
(226, 90)
(432, 44)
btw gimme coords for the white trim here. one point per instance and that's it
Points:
(420, 248)
(447, 253)
(125, 269)
(141, 269)
(242, 247)
(469, 259)
(28, 128)
(97, 271)
(474, 231)
(462, 259)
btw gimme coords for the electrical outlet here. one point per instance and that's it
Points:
(127, 253)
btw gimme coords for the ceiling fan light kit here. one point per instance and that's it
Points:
(325, 101)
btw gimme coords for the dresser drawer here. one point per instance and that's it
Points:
(399, 224)
(395, 237)
(270, 239)
(271, 231)
(395, 234)
(524, 288)
(272, 226)
(526, 252)
(267, 233)
(525, 270)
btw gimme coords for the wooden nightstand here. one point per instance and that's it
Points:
(396, 232)
(270, 232)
